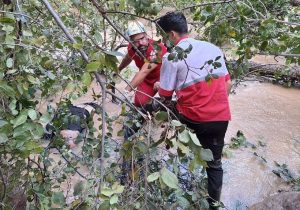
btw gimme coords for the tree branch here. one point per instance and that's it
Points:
(209, 3)
(70, 164)
(131, 14)
(147, 163)
(4, 186)
(103, 13)
(280, 54)
(15, 13)
(100, 79)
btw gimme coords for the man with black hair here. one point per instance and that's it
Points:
(202, 84)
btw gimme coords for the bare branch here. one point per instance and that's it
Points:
(209, 3)
(131, 14)
(260, 20)
(15, 13)
(280, 54)
(70, 164)
(147, 162)
(4, 186)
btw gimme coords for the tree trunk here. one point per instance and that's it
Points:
(292, 72)
(276, 73)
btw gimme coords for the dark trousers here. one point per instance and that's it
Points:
(211, 136)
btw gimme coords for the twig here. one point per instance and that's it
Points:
(4, 186)
(70, 164)
(251, 8)
(147, 162)
(281, 54)
(120, 46)
(104, 34)
(103, 89)
(15, 13)
(38, 165)
(206, 4)
(131, 14)
(260, 20)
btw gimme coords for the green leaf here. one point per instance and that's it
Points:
(104, 206)
(8, 28)
(208, 79)
(113, 200)
(6, 20)
(210, 62)
(217, 65)
(215, 76)
(7, 90)
(183, 202)
(175, 123)
(27, 33)
(171, 56)
(45, 118)
(184, 149)
(93, 66)
(37, 131)
(194, 138)
(120, 132)
(58, 198)
(3, 138)
(98, 37)
(206, 154)
(217, 58)
(77, 46)
(169, 178)
(161, 116)
(78, 188)
(86, 79)
(263, 45)
(32, 114)
(3, 123)
(184, 136)
(35, 3)
(20, 119)
(117, 188)
(107, 191)
(152, 177)
(111, 62)
(189, 49)
(9, 63)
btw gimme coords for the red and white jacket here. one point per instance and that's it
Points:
(197, 99)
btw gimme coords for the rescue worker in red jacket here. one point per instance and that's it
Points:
(149, 65)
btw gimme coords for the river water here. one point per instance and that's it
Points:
(270, 114)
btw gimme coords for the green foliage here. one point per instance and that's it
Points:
(37, 63)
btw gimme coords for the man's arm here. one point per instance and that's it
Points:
(141, 75)
(125, 62)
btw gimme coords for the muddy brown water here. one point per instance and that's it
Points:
(267, 113)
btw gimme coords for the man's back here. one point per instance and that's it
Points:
(199, 99)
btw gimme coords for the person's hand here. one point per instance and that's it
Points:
(156, 86)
